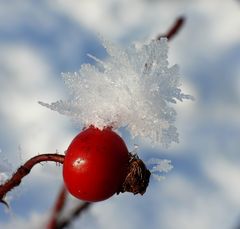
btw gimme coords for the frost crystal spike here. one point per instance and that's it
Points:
(132, 88)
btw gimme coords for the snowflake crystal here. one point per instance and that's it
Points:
(133, 88)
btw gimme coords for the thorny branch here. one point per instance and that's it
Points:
(24, 170)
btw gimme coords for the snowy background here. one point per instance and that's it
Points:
(41, 39)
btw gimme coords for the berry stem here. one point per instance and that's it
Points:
(24, 170)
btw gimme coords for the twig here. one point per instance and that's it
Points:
(59, 205)
(74, 214)
(25, 169)
(172, 32)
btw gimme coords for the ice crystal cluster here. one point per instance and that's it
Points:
(158, 167)
(133, 88)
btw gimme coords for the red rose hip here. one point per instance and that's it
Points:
(95, 164)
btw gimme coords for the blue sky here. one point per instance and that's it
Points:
(41, 39)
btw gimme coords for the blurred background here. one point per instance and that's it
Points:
(41, 39)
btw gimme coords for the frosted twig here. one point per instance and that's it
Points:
(24, 170)
(172, 32)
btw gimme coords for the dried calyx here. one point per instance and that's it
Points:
(137, 178)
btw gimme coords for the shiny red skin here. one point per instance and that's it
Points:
(95, 164)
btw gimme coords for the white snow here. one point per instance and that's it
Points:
(133, 88)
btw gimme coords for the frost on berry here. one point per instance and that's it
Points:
(133, 88)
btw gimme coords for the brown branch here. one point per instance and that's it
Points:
(55, 222)
(74, 214)
(172, 32)
(24, 170)
(58, 207)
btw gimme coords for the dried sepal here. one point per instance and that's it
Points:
(137, 178)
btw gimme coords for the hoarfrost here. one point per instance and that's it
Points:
(133, 88)
(159, 166)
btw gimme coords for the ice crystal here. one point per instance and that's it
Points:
(159, 166)
(132, 88)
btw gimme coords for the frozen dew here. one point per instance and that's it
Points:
(158, 167)
(133, 88)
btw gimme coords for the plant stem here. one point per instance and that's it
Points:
(24, 170)
(58, 207)
(74, 214)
